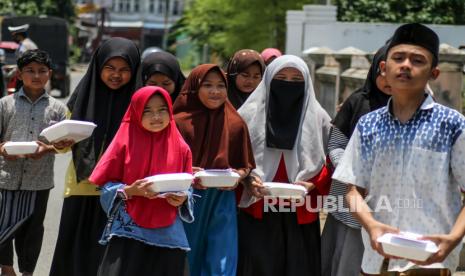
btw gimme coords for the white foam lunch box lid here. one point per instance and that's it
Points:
(69, 129)
(406, 245)
(172, 182)
(217, 178)
(285, 189)
(15, 148)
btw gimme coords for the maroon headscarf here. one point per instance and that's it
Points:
(219, 139)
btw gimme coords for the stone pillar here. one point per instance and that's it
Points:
(448, 86)
(295, 32)
(315, 58)
(297, 20)
(347, 58)
(323, 71)
(352, 79)
(320, 14)
(327, 78)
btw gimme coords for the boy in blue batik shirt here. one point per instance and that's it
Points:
(25, 181)
(409, 158)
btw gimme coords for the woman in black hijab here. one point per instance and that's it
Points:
(365, 99)
(342, 246)
(162, 69)
(102, 97)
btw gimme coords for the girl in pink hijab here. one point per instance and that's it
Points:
(269, 54)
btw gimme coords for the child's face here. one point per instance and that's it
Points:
(34, 76)
(159, 79)
(156, 114)
(116, 73)
(248, 80)
(408, 68)
(212, 91)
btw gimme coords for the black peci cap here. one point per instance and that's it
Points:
(416, 34)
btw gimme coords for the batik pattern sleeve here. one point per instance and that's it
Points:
(458, 160)
(354, 167)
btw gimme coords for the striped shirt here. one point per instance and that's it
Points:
(336, 146)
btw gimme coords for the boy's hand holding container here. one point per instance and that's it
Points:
(6, 155)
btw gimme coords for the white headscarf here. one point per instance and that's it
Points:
(307, 157)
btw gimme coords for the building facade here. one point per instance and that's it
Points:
(144, 21)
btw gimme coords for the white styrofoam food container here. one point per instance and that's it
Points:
(171, 182)
(285, 190)
(19, 148)
(68, 129)
(406, 245)
(217, 178)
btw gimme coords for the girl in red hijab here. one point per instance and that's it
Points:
(144, 234)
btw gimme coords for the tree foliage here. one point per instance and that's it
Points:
(227, 26)
(406, 11)
(60, 8)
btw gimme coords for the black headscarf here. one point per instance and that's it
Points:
(363, 100)
(93, 101)
(239, 62)
(284, 113)
(166, 64)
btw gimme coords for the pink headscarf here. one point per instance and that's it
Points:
(269, 53)
(136, 153)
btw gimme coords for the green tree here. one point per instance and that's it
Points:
(227, 26)
(60, 8)
(406, 11)
(205, 22)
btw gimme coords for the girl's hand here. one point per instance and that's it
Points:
(140, 188)
(197, 182)
(176, 200)
(254, 185)
(66, 143)
(6, 155)
(196, 169)
(42, 150)
(307, 185)
(243, 173)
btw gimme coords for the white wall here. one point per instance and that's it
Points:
(337, 35)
